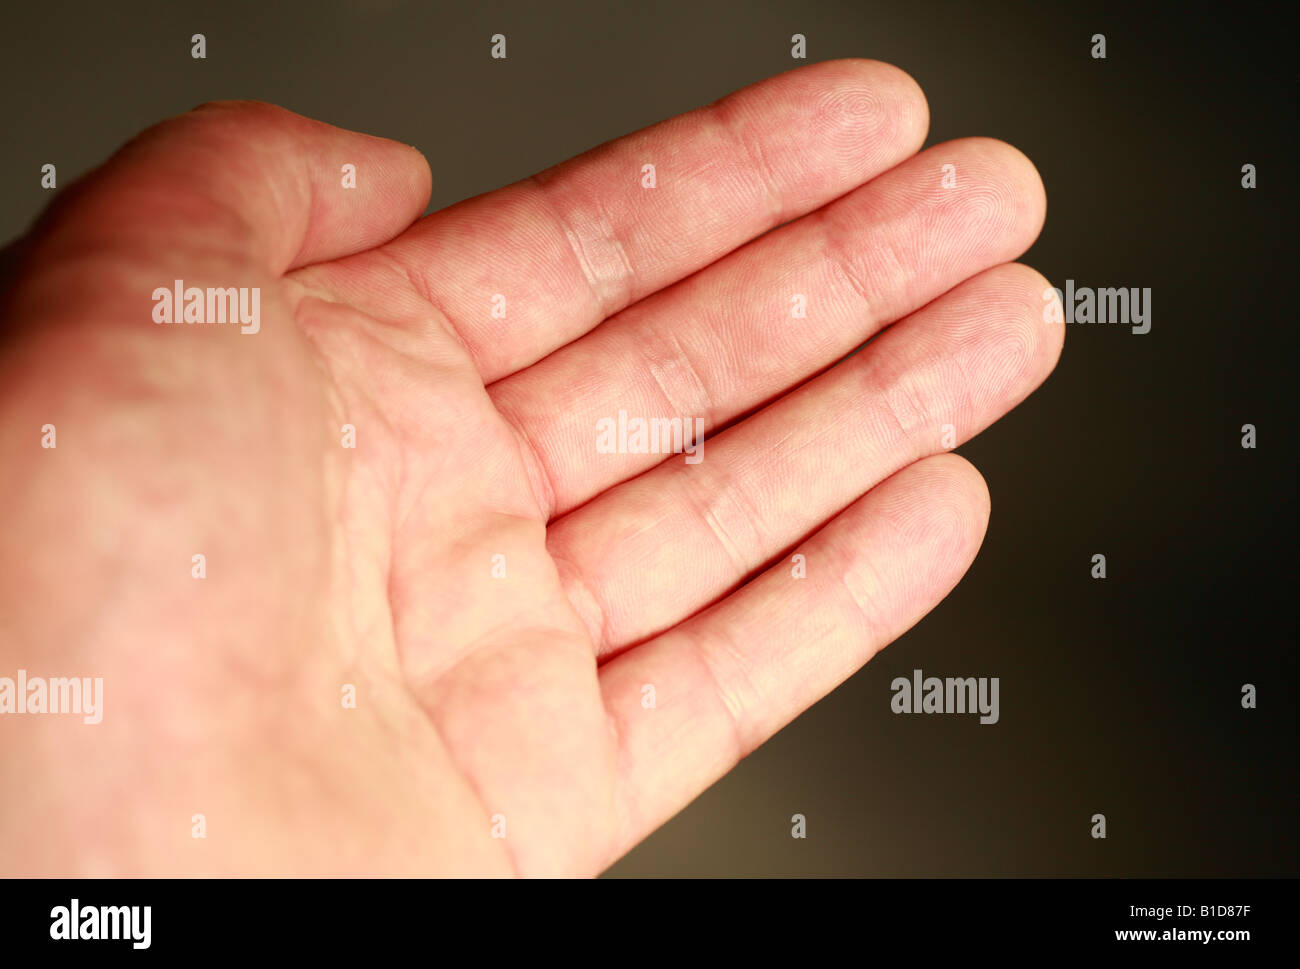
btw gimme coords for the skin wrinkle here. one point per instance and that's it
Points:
(341, 480)
(678, 373)
(840, 261)
(856, 573)
(379, 413)
(611, 291)
(420, 286)
(726, 698)
(725, 118)
(583, 598)
(539, 473)
(907, 405)
(890, 395)
(726, 492)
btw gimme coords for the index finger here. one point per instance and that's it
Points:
(557, 253)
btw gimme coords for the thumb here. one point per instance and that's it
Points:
(250, 180)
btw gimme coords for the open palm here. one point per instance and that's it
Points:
(438, 628)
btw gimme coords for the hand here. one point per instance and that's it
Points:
(367, 589)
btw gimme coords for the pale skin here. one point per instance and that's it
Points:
(485, 703)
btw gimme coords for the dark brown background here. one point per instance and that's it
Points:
(1118, 696)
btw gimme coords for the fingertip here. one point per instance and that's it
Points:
(1021, 175)
(956, 514)
(914, 107)
(366, 190)
(411, 164)
(1048, 328)
(966, 484)
(999, 197)
(868, 106)
(424, 175)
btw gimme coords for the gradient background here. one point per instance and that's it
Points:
(1119, 696)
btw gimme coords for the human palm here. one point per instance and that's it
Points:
(436, 627)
